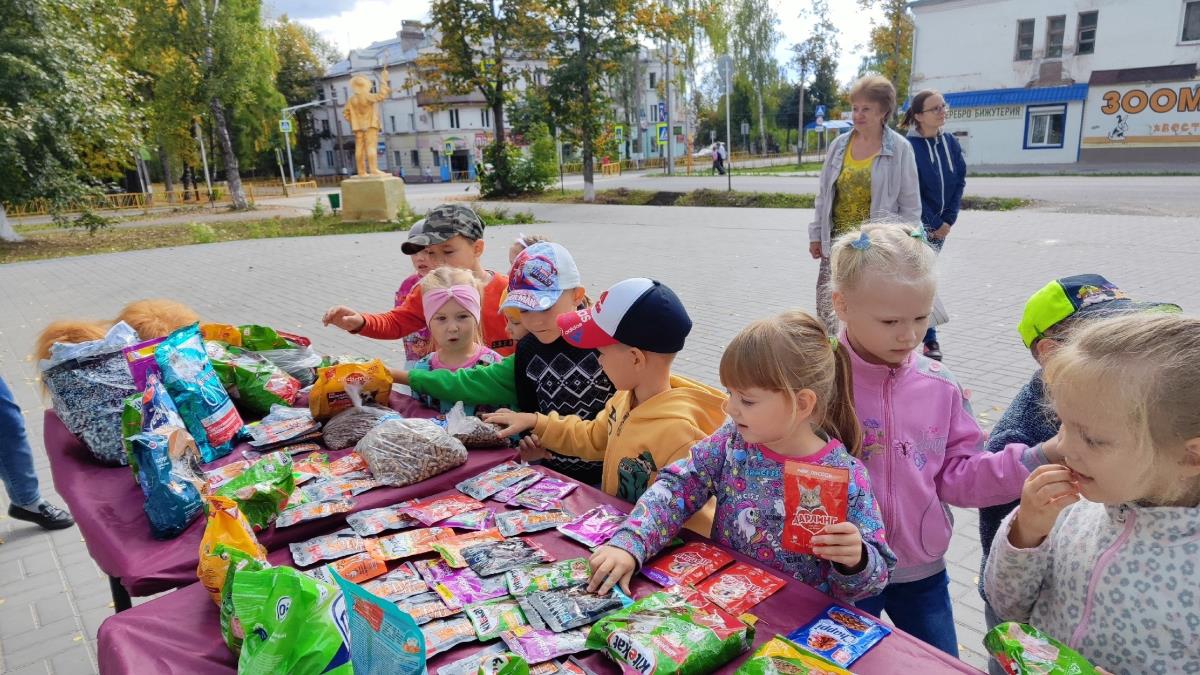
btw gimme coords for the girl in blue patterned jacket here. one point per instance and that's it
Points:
(788, 386)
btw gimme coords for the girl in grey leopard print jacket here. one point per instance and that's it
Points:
(1104, 552)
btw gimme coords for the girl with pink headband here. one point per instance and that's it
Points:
(450, 298)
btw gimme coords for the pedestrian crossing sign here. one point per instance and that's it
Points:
(661, 130)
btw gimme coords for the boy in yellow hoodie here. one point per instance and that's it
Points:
(638, 326)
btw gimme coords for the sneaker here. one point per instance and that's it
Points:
(47, 515)
(933, 350)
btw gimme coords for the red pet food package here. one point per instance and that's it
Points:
(435, 510)
(407, 544)
(360, 567)
(813, 497)
(740, 587)
(687, 565)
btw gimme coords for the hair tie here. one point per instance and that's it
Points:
(862, 243)
(521, 240)
(833, 342)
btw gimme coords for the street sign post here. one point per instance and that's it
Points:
(661, 131)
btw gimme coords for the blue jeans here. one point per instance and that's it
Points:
(16, 457)
(921, 609)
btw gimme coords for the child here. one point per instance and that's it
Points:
(546, 374)
(523, 242)
(453, 236)
(656, 417)
(1112, 575)
(789, 401)
(1059, 307)
(417, 344)
(451, 302)
(883, 288)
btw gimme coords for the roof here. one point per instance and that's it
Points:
(1173, 73)
(1018, 96)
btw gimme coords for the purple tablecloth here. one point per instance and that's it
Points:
(180, 632)
(107, 504)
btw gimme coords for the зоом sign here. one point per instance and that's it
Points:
(1166, 115)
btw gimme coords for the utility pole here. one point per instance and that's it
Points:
(286, 117)
(727, 66)
(800, 124)
(670, 129)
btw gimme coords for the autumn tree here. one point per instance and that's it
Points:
(303, 57)
(891, 44)
(753, 35)
(816, 56)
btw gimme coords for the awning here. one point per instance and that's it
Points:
(831, 124)
(1019, 96)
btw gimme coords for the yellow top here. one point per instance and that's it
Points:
(852, 197)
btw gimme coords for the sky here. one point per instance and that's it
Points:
(351, 24)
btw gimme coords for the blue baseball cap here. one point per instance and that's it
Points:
(539, 276)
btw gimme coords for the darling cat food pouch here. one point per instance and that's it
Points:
(813, 497)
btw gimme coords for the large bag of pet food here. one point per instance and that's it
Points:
(88, 385)
(328, 396)
(1020, 648)
(383, 638)
(203, 402)
(263, 490)
(401, 452)
(147, 411)
(226, 528)
(231, 625)
(169, 474)
(253, 382)
(293, 623)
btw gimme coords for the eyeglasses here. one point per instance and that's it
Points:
(941, 108)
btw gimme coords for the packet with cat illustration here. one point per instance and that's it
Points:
(512, 523)
(564, 574)
(840, 635)
(687, 565)
(740, 587)
(495, 479)
(463, 587)
(780, 656)
(450, 548)
(813, 497)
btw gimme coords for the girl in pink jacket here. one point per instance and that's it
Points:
(922, 445)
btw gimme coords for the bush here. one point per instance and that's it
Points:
(202, 233)
(525, 173)
(88, 220)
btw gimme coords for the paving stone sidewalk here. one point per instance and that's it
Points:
(728, 265)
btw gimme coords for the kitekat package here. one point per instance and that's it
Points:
(512, 523)
(687, 565)
(431, 511)
(740, 587)
(494, 479)
(840, 635)
(497, 557)
(813, 496)
(595, 526)
(564, 574)
(451, 548)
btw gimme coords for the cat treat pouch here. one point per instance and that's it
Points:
(813, 497)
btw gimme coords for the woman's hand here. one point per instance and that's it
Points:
(814, 249)
(343, 317)
(1047, 491)
(611, 566)
(513, 423)
(842, 544)
(941, 233)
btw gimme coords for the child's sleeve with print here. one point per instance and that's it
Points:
(398, 322)
(864, 513)
(970, 477)
(1013, 577)
(682, 489)
(481, 385)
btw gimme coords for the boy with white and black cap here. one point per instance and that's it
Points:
(638, 326)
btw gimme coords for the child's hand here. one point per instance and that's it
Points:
(1048, 490)
(513, 423)
(841, 543)
(610, 566)
(399, 376)
(531, 449)
(343, 317)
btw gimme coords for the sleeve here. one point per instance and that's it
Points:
(820, 222)
(954, 199)
(482, 385)
(681, 490)
(574, 436)
(864, 513)
(1013, 577)
(909, 204)
(398, 322)
(970, 477)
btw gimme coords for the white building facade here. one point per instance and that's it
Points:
(1063, 81)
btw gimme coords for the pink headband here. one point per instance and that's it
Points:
(433, 300)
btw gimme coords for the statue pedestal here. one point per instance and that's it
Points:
(371, 198)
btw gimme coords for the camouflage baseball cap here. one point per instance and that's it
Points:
(444, 222)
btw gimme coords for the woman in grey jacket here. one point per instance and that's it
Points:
(869, 173)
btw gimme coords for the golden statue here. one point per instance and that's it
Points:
(362, 111)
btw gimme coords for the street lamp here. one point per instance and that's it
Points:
(285, 125)
(725, 63)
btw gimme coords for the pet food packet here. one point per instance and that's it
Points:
(740, 587)
(326, 489)
(327, 547)
(425, 607)
(483, 519)
(223, 474)
(494, 480)
(813, 496)
(687, 565)
(221, 332)
(168, 463)
(451, 548)
(564, 574)
(434, 570)
(675, 633)
(312, 511)
(470, 665)
(493, 617)
(398, 584)
(328, 395)
(497, 557)
(594, 527)
(538, 646)
(512, 523)
(300, 448)
(382, 638)
(1021, 648)
(140, 358)
(231, 626)
(297, 499)
(447, 634)
(545, 495)
(315, 465)
(780, 656)
(573, 607)
(431, 511)
(262, 490)
(271, 432)
(203, 403)
(840, 635)
(373, 521)
(324, 573)
(351, 463)
(359, 567)
(292, 622)
(408, 544)
(464, 587)
(507, 494)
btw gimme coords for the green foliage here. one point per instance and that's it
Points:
(303, 56)
(87, 220)
(202, 233)
(318, 209)
(501, 216)
(891, 45)
(526, 173)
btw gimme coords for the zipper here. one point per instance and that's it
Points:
(887, 447)
(1124, 515)
(941, 181)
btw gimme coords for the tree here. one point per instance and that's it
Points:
(303, 57)
(816, 56)
(482, 45)
(754, 36)
(62, 100)
(628, 85)
(891, 44)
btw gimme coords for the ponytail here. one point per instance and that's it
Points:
(915, 107)
(840, 418)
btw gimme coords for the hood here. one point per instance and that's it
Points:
(700, 404)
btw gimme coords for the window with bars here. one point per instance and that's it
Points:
(1085, 41)
(1024, 40)
(1056, 30)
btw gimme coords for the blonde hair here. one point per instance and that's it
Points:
(445, 277)
(791, 352)
(1154, 361)
(883, 246)
(523, 242)
(876, 89)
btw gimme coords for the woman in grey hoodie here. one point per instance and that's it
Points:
(869, 173)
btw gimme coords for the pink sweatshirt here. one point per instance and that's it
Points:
(924, 451)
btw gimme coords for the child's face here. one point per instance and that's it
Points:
(456, 251)
(452, 326)
(420, 262)
(885, 318)
(620, 364)
(1099, 446)
(544, 325)
(516, 330)
(762, 416)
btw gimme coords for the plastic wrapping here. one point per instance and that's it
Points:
(372, 522)
(226, 528)
(301, 363)
(564, 574)
(434, 510)
(252, 381)
(780, 656)
(493, 617)
(569, 608)
(328, 395)
(512, 523)
(594, 527)
(237, 561)
(203, 403)
(496, 557)
(349, 426)
(841, 635)
(1020, 648)
(495, 479)
(406, 451)
(538, 646)
(327, 547)
(472, 431)
(740, 587)
(262, 490)
(463, 587)
(398, 584)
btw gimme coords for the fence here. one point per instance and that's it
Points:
(124, 201)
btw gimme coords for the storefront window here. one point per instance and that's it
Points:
(1045, 126)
